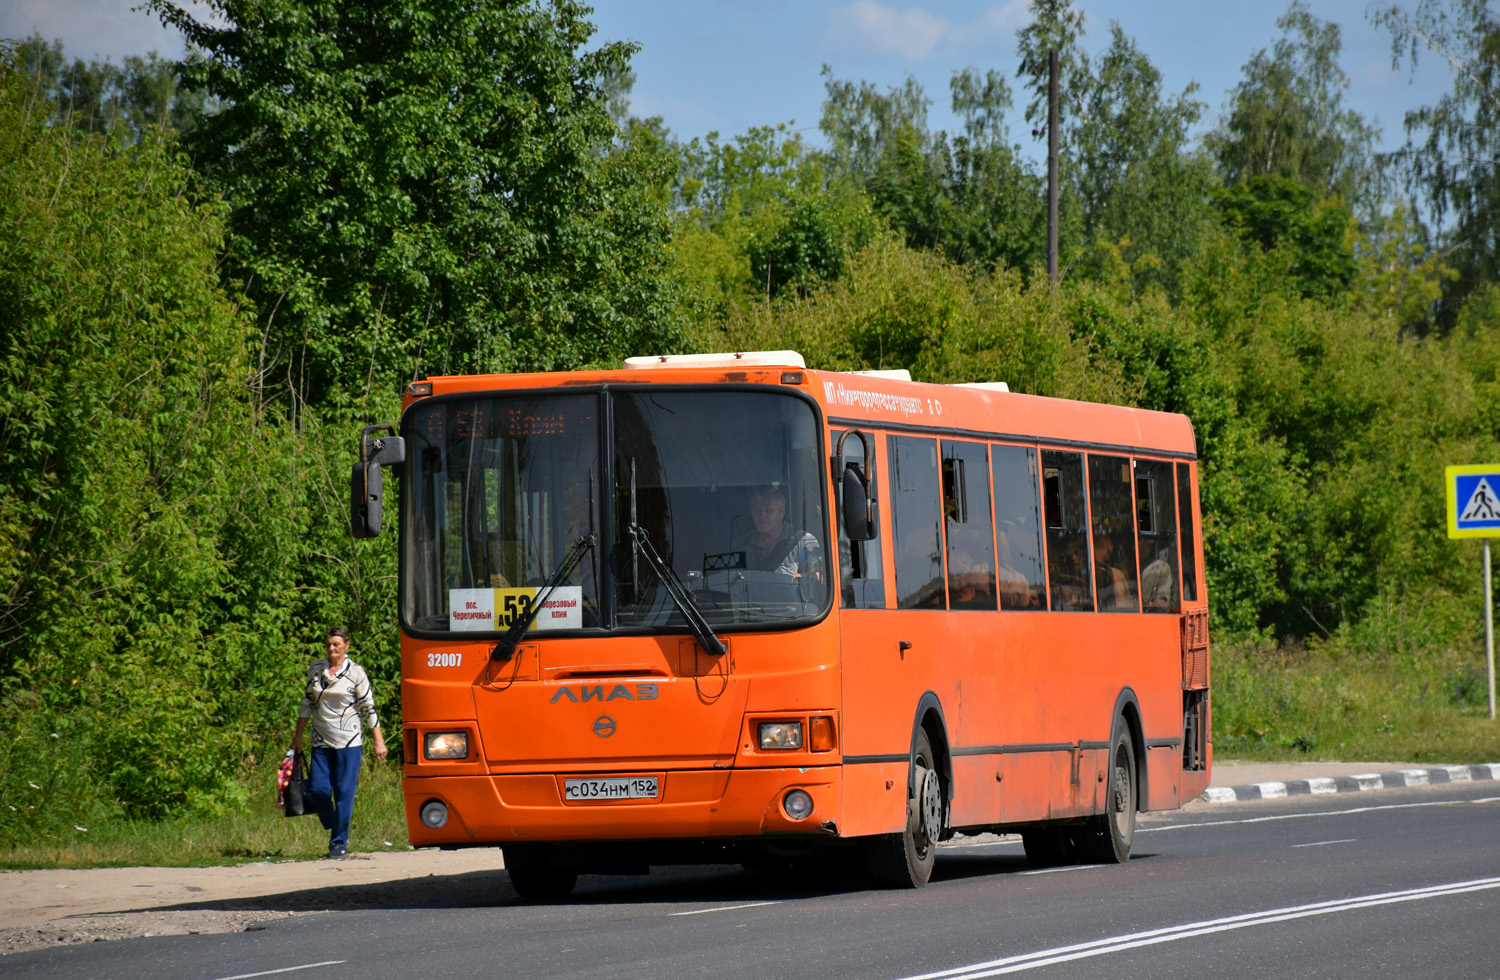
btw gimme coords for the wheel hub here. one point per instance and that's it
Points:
(932, 805)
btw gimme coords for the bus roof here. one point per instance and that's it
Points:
(882, 399)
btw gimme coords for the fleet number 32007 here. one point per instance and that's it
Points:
(445, 659)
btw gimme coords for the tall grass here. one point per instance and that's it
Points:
(257, 832)
(1337, 701)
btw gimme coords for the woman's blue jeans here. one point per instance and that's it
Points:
(330, 789)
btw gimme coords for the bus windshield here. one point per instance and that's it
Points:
(724, 485)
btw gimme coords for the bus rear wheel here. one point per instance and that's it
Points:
(905, 860)
(535, 878)
(1107, 838)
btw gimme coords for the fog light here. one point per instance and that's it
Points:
(797, 804)
(446, 745)
(781, 735)
(434, 814)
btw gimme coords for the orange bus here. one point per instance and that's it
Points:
(719, 608)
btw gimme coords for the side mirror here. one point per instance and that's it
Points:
(861, 518)
(364, 500)
(856, 503)
(365, 482)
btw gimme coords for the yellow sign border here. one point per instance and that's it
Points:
(1451, 492)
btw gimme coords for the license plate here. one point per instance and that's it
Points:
(612, 788)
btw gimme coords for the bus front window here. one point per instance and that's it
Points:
(726, 484)
(499, 489)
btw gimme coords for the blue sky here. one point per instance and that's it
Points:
(727, 65)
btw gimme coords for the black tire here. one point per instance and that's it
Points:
(534, 878)
(1107, 838)
(905, 860)
(1048, 847)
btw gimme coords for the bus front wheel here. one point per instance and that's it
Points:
(905, 860)
(535, 878)
(1107, 837)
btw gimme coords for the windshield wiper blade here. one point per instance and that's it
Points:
(678, 592)
(506, 648)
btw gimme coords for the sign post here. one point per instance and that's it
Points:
(1474, 512)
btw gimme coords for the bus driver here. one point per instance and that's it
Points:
(772, 545)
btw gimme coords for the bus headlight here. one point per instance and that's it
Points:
(446, 745)
(797, 804)
(781, 734)
(434, 814)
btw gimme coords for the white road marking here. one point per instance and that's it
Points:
(1070, 867)
(1189, 930)
(285, 969)
(1304, 816)
(725, 908)
(1346, 840)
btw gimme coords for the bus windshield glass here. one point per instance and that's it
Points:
(498, 492)
(724, 484)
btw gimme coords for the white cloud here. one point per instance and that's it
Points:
(913, 34)
(910, 34)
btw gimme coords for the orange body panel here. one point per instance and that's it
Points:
(1026, 700)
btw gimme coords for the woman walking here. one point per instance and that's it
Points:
(338, 694)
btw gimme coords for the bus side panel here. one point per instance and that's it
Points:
(1063, 689)
(882, 686)
(872, 799)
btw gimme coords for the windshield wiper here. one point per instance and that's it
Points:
(506, 648)
(677, 591)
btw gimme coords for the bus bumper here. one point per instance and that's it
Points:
(511, 809)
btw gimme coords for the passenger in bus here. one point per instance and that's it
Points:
(968, 583)
(1157, 581)
(1113, 583)
(1015, 591)
(772, 545)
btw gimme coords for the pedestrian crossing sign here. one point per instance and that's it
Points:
(1473, 501)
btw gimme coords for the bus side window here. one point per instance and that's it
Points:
(971, 539)
(916, 521)
(1187, 536)
(1068, 579)
(861, 578)
(1156, 531)
(1018, 528)
(1111, 504)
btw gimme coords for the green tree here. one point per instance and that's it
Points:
(1133, 180)
(1451, 147)
(418, 190)
(968, 193)
(1286, 118)
(97, 95)
(1279, 212)
(123, 417)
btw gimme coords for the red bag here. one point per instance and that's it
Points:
(289, 779)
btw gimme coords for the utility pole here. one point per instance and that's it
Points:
(1052, 127)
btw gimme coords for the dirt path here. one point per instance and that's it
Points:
(40, 909)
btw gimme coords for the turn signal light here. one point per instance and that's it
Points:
(820, 734)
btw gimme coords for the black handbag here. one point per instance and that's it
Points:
(294, 805)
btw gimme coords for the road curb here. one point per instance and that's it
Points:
(1351, 784)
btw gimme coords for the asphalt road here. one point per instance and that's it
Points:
(1389, 883)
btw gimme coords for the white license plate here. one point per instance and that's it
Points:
(612, 788)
